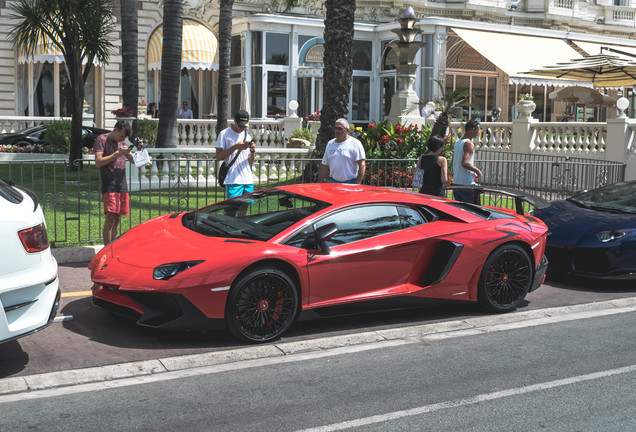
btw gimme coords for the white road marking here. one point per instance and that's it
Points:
(383, 418)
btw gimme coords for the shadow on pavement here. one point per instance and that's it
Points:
(116, 331)
(578, 283)
(14, 359)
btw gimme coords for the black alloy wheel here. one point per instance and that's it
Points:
(505, 278)
(261, 305)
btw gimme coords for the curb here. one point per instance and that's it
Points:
(412, 334)
(78, 254)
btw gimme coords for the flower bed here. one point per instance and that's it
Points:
(30, 148)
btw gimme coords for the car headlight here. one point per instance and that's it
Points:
(607, 236)
(167, 271)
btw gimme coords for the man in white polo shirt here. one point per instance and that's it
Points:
(344, 158)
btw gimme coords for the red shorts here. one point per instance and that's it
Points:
(116, 202)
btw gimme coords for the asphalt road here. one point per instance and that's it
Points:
(96, 338)
(574, 374)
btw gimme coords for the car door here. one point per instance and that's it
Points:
(371, 255)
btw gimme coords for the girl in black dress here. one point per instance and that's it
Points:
(435, 167)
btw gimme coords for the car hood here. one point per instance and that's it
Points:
(570, 224)
(165, 240)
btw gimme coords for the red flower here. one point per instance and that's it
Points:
(385, 139)
(372, 126)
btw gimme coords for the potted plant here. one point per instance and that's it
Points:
(525, 106)
(313, 121)
(123, 112)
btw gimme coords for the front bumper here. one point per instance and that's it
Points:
(153, 309)
(598, 263)
(539, 273)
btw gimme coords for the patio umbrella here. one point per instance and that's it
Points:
(602, 70)
(581, 96)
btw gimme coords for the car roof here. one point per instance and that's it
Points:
(342, 194)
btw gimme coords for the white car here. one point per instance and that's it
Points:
(29, 286)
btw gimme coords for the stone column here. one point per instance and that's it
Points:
(522, 140)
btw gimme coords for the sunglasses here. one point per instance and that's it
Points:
(340, 128)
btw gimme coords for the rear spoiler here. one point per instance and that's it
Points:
(520, 197)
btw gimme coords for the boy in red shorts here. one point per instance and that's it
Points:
(111, 153)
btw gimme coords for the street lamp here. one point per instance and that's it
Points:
(406, 48)
(622, 104)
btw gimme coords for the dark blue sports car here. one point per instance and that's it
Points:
(593, 234)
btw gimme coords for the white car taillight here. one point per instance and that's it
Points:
(34, 239)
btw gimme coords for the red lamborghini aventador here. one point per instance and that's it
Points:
(254, 262)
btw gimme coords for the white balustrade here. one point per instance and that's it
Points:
(12, 124)
(570, 138)
(613, 141)
(191, 166)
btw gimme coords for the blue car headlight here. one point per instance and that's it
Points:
(167, 271)
(608, 236)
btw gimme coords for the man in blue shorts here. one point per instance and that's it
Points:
(234, 142)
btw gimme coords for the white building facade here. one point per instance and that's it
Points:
(480, 45)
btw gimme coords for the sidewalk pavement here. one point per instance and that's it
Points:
(79, 254)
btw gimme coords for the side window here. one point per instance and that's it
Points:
(305, 239)
(410, 217)
(361, 223)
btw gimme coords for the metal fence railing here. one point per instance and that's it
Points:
(71, 198)
(549, 177)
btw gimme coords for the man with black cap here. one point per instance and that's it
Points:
(234, 146)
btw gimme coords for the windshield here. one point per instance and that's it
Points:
(31, 130)
(256, 216)
(620, 197)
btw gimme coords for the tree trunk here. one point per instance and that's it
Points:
(74, 69)
(130, 59)
(225, 45)
(170, 73)
(338, 69)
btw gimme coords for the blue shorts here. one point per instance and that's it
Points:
(466, 196)
(234, 190)
(351, 181)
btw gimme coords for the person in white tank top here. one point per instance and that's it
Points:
(464, 170)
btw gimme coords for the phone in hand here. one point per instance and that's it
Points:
(137, 143)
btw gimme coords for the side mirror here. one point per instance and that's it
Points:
(323, 234)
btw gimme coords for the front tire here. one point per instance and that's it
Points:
(505, 279)
(261, 305)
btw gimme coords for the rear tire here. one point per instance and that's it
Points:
(505, 279)
(261, 305)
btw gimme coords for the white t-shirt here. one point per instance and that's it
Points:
(342, 158)
(240, 172)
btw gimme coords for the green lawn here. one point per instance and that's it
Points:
(73, 206)
(72, 202)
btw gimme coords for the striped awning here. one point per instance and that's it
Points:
(45, 52)
(515, 54)
(200, 48)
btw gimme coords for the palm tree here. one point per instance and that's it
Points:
(448, 102)
(338, 69)
(170, 72)
(81, 29)
(225, 45)
(130, 59)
